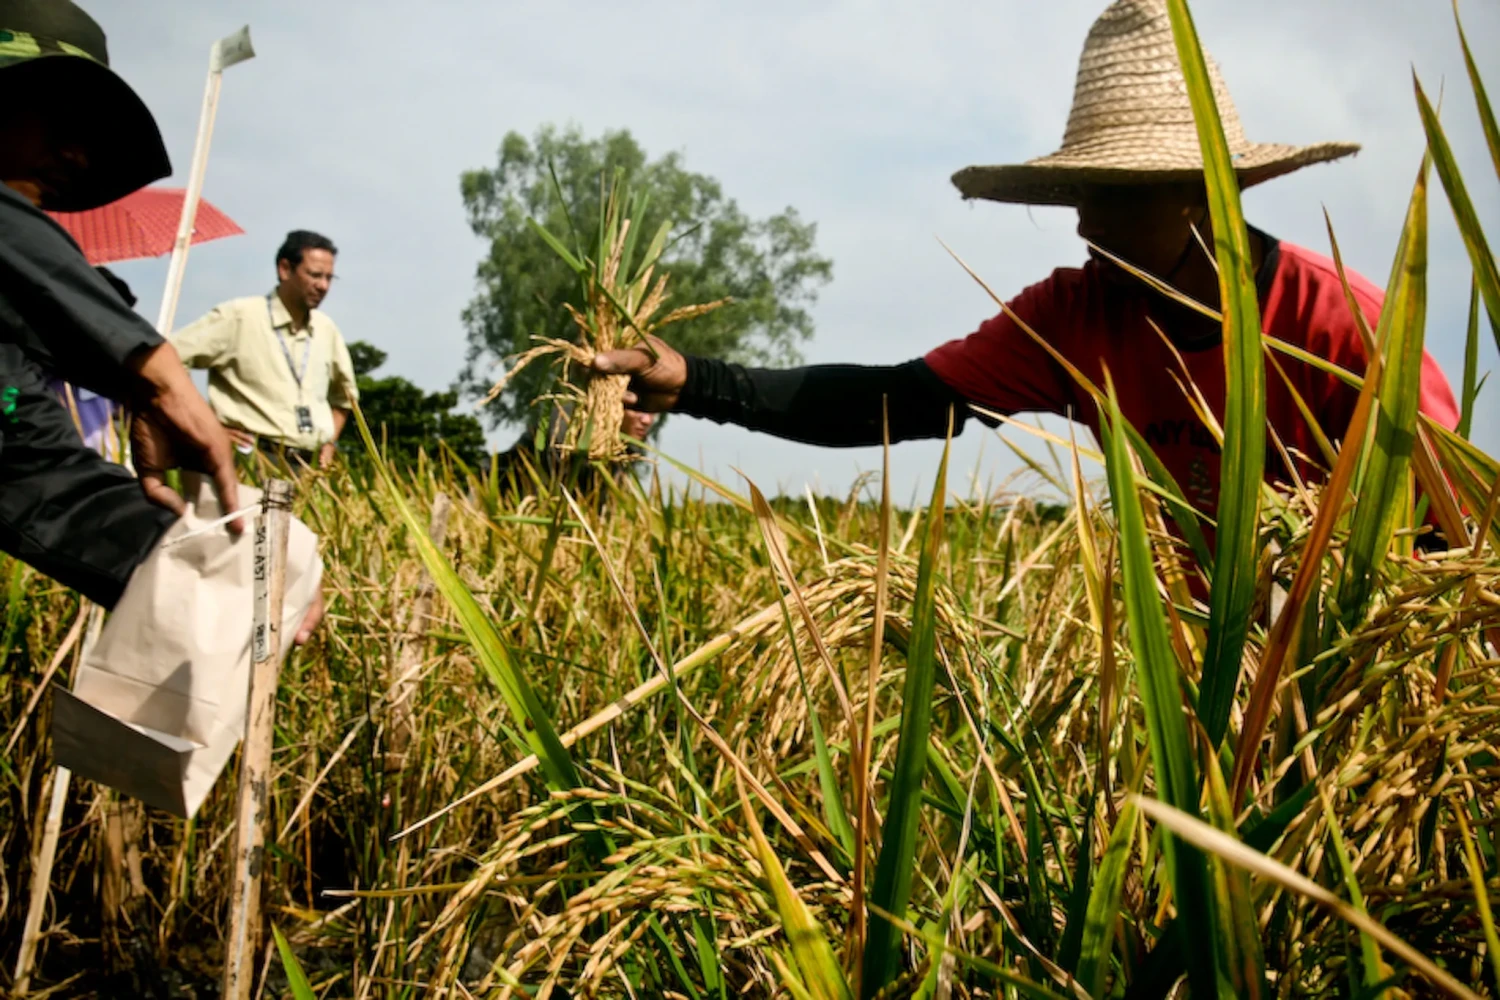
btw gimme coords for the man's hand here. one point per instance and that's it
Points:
(326, 454)
(173, 427)
(240, 439)
(310, 620)
(654, 385)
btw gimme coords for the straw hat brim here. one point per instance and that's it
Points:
(1063, 177)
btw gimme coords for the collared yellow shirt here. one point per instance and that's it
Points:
(251, 383)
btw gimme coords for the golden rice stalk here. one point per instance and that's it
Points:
(620, 303)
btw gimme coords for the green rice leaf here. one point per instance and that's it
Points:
(1374, 967)
(1481, 98)
(557, 247)
(1469, 388)
(1472, 472)
(1158, 675)
(821, 977)
(1384, 489)
(1244, 457)
(540, 735)
(1476, 867)
(1483, 260)
(1104, 903)
(1307, 582)
(296, 979)
(896, 862)
(1022, 986)
(1239, 930)
(635, 215)
(1069, 948)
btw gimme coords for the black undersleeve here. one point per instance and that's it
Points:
(835, 405)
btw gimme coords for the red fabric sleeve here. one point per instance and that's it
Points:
(1000, 367)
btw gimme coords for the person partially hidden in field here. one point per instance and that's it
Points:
(74, 136)
(1130, 164)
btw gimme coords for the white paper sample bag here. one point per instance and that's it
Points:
(159, 704)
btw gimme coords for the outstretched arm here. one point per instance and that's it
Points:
(834, 405)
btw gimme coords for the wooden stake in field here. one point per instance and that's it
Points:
(242, 946)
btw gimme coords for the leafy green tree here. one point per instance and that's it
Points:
(769, 266)
(411, 419)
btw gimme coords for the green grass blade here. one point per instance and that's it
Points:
(1374, 967)
(557, 247)
(1476, 867)
(1069, 948)
(1480, 256)
(635, 214)
(1157, 674)
(296, 979)
(1469, 389)
(1239, 930)
(562, 201)
(821, 976)
(1307, 582)
(1021, 986)
(1104, 904)
(494, 657)
(1038, 911)
(894, 867)
(1469, 468)
(1244, 455)
(709, 965)
(1384, 489)
(1481, 98)
(1472, 472)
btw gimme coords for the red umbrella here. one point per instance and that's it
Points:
(142, 224)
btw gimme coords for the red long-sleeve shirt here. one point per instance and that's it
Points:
(1098, 325)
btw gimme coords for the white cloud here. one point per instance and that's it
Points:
(356, 119)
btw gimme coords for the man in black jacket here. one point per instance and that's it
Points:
(74, 136)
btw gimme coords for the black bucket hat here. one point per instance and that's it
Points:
(53, 57)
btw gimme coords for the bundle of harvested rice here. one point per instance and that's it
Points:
(620, 306)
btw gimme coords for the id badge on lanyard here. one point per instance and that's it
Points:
(303, 411)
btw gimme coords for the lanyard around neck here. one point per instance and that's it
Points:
(286, 350)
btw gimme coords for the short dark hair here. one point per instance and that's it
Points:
(299, 241)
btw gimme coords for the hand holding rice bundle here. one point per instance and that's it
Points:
(620, 306)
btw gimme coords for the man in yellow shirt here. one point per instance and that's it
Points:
(280, 377)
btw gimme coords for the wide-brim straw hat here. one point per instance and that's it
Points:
(53, 57)
(1132, 122)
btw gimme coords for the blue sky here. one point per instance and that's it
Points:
(357, 119)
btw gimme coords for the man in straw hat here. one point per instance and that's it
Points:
(1130, 164)
(74, 136)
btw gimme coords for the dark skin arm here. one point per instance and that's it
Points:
(835, 406)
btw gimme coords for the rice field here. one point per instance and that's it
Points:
(706, 844)
(643, 740)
